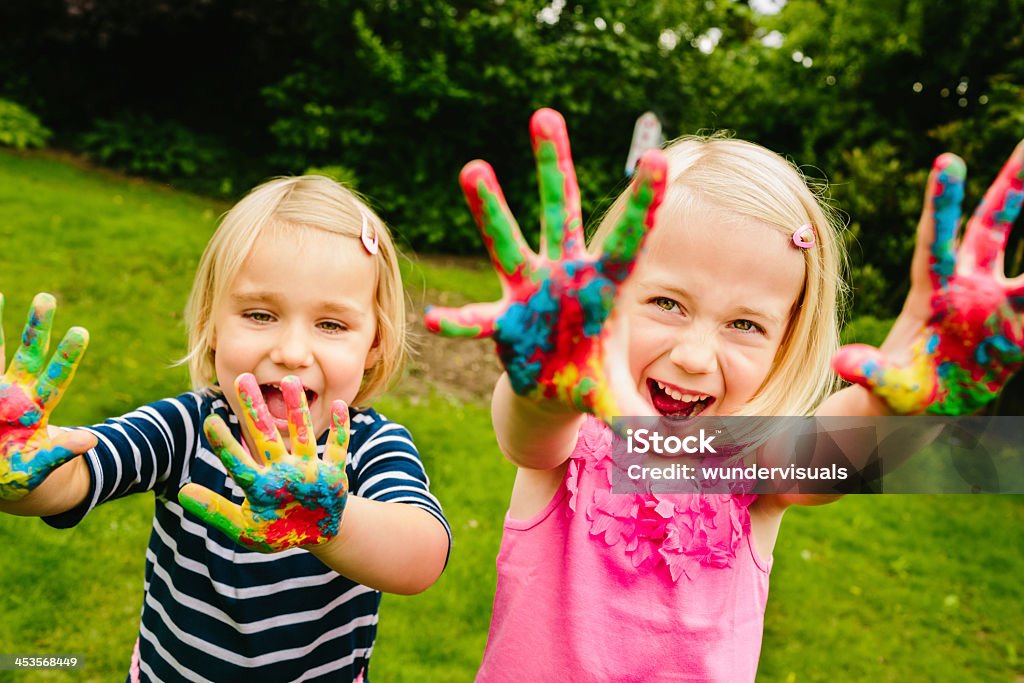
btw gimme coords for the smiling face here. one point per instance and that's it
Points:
(708, 307)
(302, 304)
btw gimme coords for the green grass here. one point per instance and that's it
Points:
(892, 588)
(477, 282)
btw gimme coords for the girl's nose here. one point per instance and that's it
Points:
(292, 350)
(695, 353)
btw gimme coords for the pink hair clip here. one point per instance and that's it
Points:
(803, 236)
(369, 243)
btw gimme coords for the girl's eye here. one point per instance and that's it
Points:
(664, 303)
(747, 326)
(331, 326)
(258, 316)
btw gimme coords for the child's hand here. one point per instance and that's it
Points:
(28, 394)
(549, 325)
(959, 337)
(292, 499)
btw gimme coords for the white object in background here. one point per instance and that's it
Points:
(646, 135)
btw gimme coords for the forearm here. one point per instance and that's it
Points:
(893, 439)
(63, 490)
(391, 547)
(530, 434)
(853, 401)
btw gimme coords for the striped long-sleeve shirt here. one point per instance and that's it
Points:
(215, 611)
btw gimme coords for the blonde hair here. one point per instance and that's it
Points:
(752, 182)
(288, 205)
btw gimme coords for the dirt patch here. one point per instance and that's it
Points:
(464, 369)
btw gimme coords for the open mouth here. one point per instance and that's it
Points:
(274, 398)
(671, 401)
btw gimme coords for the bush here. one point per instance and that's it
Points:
(20, 128)
(343, 174)
(143, 146)
(867, 329)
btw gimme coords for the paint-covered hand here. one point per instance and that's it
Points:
(549, 325)
(29, 391)
(959, 337)
(291, 499)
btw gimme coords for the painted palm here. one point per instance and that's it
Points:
(549, 325)
(292, 499)
(959, 337)
(29, 391)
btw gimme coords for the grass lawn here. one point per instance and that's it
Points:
(900, 588)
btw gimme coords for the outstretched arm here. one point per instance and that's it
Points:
(959, 337)
(550, 324)
(39, 473)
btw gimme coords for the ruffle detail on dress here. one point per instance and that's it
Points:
(676, 533)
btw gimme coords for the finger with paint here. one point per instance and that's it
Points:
(292, 498)
(29, 392)
(961, 335)
(549, 325)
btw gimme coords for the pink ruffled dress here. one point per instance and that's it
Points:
(621, 587)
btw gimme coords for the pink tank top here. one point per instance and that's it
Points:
(603, 587)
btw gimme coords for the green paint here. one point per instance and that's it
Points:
(29, 356)
(956, 169)
(581, 394)
(451, 329)
(964, 396)
(552, 198)
(497, 226)
(624, 241)
(61, 367)
(215, 519)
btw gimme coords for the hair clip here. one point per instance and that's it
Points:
(369, 243)
(803, 236)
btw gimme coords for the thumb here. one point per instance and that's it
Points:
(627, 400)
(78, 441)
(859, 364)
(474, 321)
(906, 389)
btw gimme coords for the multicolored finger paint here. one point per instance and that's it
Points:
(973, 341)
(291, 499)
(28, 394)
(549, 325)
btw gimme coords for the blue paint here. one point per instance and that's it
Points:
(596, 299)
(1009, 351)
(1011, 207)
(30, 418)
(947, 219)
(872, 371)
(932, 344)
(41, 466)
(530, 328)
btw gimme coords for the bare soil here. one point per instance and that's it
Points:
(465, 369)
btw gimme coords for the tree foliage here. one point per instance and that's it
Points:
(399, 94)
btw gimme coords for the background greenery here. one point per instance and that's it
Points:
(213, 96)
(900, 588)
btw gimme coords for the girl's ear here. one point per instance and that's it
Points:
(373, 355)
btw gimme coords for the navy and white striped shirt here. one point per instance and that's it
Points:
(213, 610)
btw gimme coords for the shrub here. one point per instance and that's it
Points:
(343, 174)
(867, 329)
(140, 145)
(20, 128)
